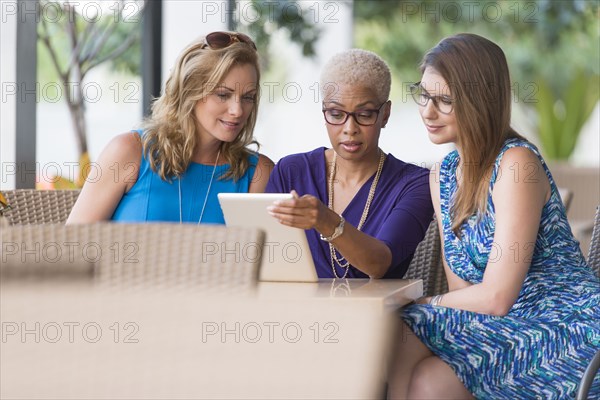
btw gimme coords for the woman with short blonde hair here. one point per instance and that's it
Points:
(364, 211)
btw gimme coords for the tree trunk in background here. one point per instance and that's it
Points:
(77, 113)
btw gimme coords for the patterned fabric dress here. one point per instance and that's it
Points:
(541, 348)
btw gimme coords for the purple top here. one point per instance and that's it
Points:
(399, 215)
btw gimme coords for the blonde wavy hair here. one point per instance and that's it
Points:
(476, 71)
(170, 132)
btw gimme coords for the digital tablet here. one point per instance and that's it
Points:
(286, 256)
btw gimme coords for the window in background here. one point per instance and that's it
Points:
(89, 85)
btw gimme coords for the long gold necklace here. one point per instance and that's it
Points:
(205, 197)
(342, 262)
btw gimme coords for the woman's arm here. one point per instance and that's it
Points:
(261, 174)
(375, 254)
(389, 246)
(114, 174)
(454, 281)
(519, 196)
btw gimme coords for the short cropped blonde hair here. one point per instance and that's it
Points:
(357, 67)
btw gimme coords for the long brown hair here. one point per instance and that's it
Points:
(170, 137)
(476, 71)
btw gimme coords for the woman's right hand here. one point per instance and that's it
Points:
(366, 253)
(305, 212)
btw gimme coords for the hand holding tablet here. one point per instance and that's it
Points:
(286, 255)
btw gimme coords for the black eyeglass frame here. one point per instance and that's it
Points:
(234, 37)
(353, 114)
(416, 87)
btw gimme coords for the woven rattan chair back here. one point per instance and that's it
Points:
(134, 255)
(567, 196)
(30, 206)
(427, 263)
(594, 254)
(594, 262)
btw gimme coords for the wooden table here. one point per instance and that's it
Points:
(276, 340)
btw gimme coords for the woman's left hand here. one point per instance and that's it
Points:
(306, 212)
(423, 300)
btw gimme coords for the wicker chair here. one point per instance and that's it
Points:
(427, 263)
(594, 254)
(134, 255)
(594, 263)
(30, 206)
(567, 196)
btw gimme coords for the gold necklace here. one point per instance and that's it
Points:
(342, 262)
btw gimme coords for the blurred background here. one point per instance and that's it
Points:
(76, 74)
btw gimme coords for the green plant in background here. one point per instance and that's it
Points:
(560, 119)
(553, 48)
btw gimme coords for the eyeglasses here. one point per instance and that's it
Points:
(221, 40)
(364, 117)
(443, 104)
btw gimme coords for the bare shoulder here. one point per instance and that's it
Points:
(261, 174)
(121, 158)
(519, 157)
(264, 162)
(523, 165)
(521, 174)
(126, 147)
(119, 164)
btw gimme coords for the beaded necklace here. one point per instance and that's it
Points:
(341, 261)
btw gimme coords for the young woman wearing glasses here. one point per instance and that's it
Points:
(364, 211)
(194, 145)
(520, 320)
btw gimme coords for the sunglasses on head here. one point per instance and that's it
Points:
(221, 40)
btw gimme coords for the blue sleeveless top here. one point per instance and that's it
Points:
(152, 199)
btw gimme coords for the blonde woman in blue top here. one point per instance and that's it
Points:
(194, 145)
(521, 317)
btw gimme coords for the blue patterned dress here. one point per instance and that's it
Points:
(541, 348)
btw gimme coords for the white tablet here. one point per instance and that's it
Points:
(286, 256)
